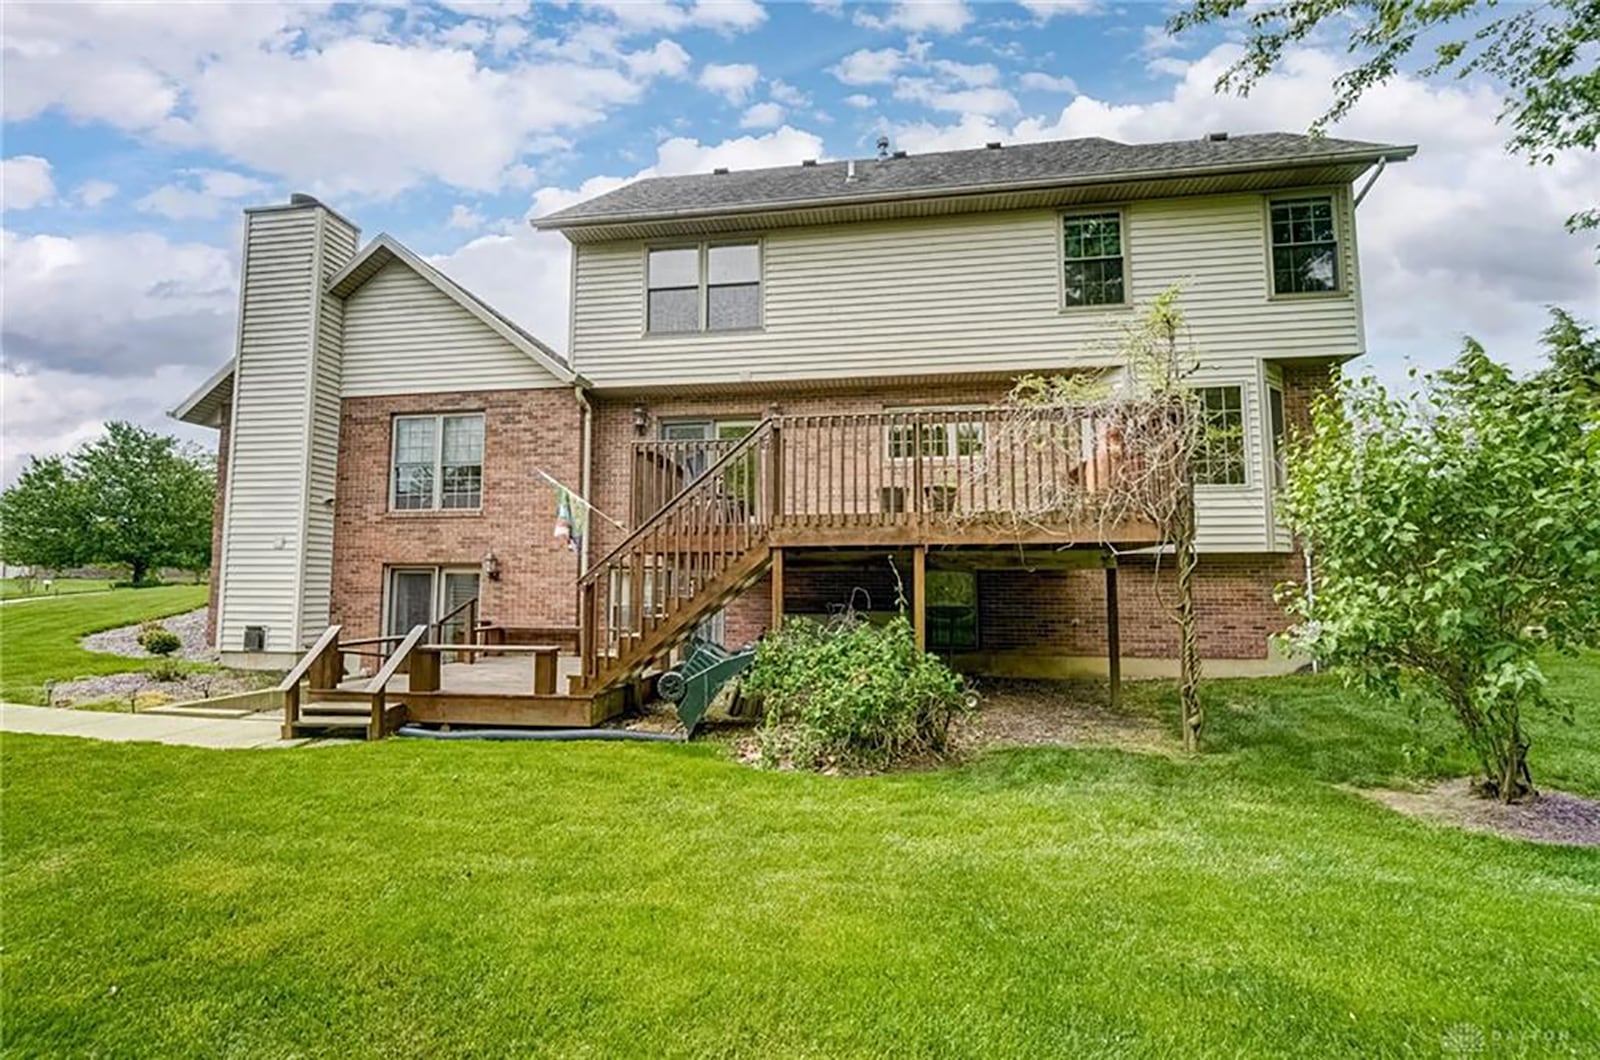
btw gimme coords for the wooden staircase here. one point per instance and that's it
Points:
(705, 546)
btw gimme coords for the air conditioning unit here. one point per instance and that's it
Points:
(255, 638)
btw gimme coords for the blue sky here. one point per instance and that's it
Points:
(134, 135)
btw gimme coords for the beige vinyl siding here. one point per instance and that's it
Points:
(1282, 540)
(316, 587)
(975, 292)
(1229, 518)
(402, 335)
(265, 510)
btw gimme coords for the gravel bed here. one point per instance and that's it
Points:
(190, 628)
(145, 691)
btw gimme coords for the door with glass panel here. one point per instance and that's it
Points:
(422, 595)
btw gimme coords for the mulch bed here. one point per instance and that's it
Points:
(1018, 713)
(1549, 817)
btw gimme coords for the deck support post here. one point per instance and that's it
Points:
(777, 590)
(919, 595)
(1113, 636)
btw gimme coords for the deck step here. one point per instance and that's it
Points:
(351, 719)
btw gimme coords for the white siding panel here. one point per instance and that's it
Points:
(316, 586)
(402, 335)
(968, 293)
(265, 505)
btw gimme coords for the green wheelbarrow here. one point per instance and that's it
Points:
(695, 682)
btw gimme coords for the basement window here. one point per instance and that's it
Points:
(706, 287)
(437, 463)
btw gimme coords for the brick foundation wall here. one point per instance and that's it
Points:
(523, 429)
(1065, 611)
(218, 504)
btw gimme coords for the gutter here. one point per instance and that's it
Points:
(554, 222)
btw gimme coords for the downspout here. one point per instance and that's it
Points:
(1376, 173)
(586, 458)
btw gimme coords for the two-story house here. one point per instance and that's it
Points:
(779, 397)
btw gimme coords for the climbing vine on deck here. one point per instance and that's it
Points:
(1132, 437)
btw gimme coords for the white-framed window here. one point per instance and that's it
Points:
(1220, 457)
(437, 462)
(1093, 259)
(1305, 245)
(704, 287)
(1280, 469)
(955, 437)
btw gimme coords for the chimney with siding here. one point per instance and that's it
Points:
(277, 530)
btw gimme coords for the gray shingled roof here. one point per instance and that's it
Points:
(945, 172)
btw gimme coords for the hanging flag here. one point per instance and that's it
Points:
(563, 527)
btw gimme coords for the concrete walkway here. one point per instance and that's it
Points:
(257, 730)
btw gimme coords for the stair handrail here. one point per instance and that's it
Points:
(436, 627)
(748, 442)
(290, 685)
(377, 688)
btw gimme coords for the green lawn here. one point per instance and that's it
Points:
(411, 899)
(39, 639)
(16, 588)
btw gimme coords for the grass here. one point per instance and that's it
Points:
(409, 899)
(18, 588)
(39, 641)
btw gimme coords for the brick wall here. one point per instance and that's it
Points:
(523, 429)
(1065, 611)
(217, 505)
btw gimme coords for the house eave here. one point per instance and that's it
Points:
(1333, 168)
(203, 407)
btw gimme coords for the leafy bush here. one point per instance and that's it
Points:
(852, 695)
(158, 639)
(166, 669)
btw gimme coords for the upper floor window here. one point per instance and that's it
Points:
(1305, 246)
(1094, 264)
(1219, 459)
(708, 287)
(438, 462)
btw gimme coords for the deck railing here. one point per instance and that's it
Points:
(946, 475)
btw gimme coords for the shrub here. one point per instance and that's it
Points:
(166, 669)
(158, 639)
(852, 695)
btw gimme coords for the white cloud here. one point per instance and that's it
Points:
(762, 116)
(292, 92)
(94, 192)
(723, 16)
(982, 101)
(666, 59)
(464, 216)
(919, 16)
(869, 67)
(860, 101)
(487, 8)
(1441, 255)
(731, 81)
(50, 411)
(790, 96)
(25, 182)
(974, 74)
(1045, 10)
(206, 194)
(116, 305)
(1034, 81)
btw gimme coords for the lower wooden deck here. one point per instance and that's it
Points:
(495, 690)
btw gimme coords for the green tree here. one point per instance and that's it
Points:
(132, 497)
(1456, 536)
(1543, 54)
(42, 518)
